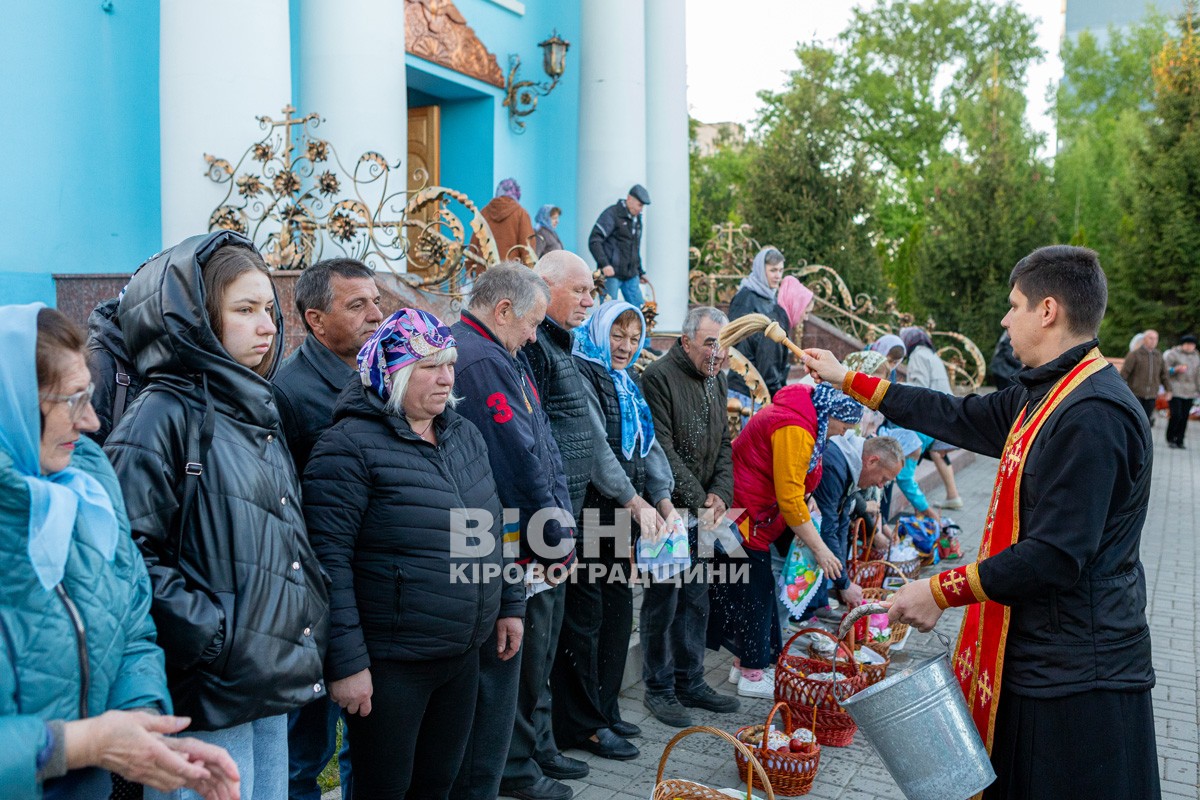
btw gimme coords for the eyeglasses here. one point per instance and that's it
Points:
(77, 404)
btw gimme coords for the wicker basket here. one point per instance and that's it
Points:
(680, 789)
(804, 696)
(791, 774)
(859, 567)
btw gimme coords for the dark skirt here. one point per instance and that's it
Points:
(1096, 745)
(743, 616)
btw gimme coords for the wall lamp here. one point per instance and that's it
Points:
(522, 96)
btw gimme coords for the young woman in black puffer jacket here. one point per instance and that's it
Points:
(239, 598)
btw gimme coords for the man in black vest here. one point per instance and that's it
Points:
(339, 303)
(533, 755)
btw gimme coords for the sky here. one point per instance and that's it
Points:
(736, 49)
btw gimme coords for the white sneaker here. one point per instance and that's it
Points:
(760, 688)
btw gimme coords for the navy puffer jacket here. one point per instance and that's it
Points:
(378, 501)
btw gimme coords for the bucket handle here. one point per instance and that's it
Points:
(858, 612)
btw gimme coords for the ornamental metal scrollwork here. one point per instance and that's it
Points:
(290, 194)
(722, 262)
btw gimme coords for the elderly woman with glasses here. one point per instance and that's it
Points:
(403, 513)
(82, 684)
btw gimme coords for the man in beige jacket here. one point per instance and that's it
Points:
(1144, 371)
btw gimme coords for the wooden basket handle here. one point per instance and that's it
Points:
(840, 646)
(899, 571)
(752, 765)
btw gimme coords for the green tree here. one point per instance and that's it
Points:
(809, 190)
(987, 210)
(1102, 108)
(1156, 280)
(716, 184)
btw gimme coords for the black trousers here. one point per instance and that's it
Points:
(421, 714)
(495, 711)
(1148, 407)
(592, 646)
(1099, 745)
(1177, 425)
(532, 737)
(673, 624)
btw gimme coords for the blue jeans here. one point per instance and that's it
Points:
(259, 749)
(312, 737)
(630, 287)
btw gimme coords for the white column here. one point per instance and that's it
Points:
(221, 64)
(352, 73)
(612, 109)
(668, 218)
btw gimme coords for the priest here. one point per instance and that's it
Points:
(1054, 652)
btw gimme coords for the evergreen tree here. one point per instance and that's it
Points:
(809, 191)
(987, 210)
(1156, 280)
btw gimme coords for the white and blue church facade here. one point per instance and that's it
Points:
(110, 107)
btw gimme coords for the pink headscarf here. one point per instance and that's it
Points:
(795, 298)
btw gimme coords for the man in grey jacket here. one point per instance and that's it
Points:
(686, 391)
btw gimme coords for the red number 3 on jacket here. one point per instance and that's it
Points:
(499, 405)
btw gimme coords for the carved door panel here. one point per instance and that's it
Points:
(424, 168)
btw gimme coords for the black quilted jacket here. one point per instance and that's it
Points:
(239, 599)
(378, 500)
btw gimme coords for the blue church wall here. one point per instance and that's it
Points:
(83, 180)
(82, 175)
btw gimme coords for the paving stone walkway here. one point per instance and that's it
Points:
(1169, 546)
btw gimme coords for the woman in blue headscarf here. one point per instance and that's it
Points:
(598, 617)
(546, 233)
(82, 682)
(758, 295)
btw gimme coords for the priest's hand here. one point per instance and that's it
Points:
(913, 603)
(823, 365)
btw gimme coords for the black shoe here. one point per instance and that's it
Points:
(610, 746)
(666, 709)
(564, 768)
(542, 789)
(625, 729)
(707, 698)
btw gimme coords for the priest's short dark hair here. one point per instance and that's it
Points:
(1072, 276)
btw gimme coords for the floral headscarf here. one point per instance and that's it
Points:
(404, 338)
(865, 361)
(509, 188)
(830, 402)
(756, 281)
(543, 217)
(56, 500)
(591, 344)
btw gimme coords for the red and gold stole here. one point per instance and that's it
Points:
(979, 653)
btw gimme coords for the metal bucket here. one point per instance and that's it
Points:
(918, 723)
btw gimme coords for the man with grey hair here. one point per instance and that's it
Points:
(850, 463)
(501, 398)
(338, 301)
(686, 390)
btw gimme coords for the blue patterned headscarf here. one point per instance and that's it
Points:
(830, 402)
(56, 500)
(404, 338)
(509, 188)
(591, 344)
(543, 217)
